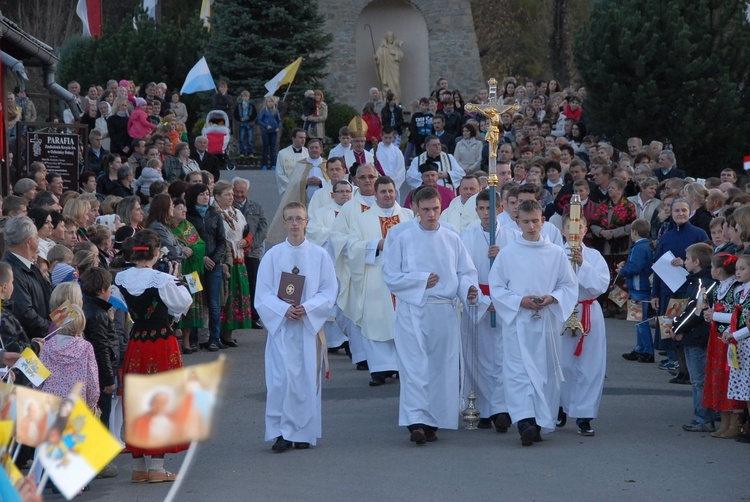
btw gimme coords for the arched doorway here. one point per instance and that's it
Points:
(408, 25)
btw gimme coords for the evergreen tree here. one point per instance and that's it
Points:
(673, 71)
(250, 42)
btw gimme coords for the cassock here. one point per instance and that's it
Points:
(347, 299)
(286, 159)
(365, 263)
(490, 389)
(392, 161)
(531, 365)
(581, 391)
(321, 198)
(426, 331)
(549, 230)
(444, 161)
(293, 361)
(363, 157)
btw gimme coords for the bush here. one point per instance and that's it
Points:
(339, 115)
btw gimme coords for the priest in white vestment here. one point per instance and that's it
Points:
(534, 291)
(584, 359)
(428, 268)
(361, 201)
(391, 158)
(288, 157)
(335, 172)
(449, 170)
(487, 364)
(293, 348)
(376, 306)
(469, 187)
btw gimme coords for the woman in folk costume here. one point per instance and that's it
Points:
(236, 313)
(722, 300)
(738, 339)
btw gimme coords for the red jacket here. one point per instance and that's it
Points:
(138, 125)
(374, 127)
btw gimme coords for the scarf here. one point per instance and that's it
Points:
(202, 210)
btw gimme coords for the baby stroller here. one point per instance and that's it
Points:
(219, 135)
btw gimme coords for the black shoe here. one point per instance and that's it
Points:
(257, 325)
(418, 436)
(221, 345)
(376, 381)
(213, 347)
(362, 366)
(646, 358)
(529, 436)
(347, 351)
(230, 343)
(194, 348)
(502, 422)
(430, 435)
(631, 356)
(562, 418)
(584, 428)
(301, 446)
(281, 444)
(187, 350)
(485, 423)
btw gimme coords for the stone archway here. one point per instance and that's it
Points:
(408, 25)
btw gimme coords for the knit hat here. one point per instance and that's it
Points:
(140, 101)
(24, 185)
(63, 273)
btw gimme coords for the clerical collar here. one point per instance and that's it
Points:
(388, 211)
(297, 150)
(434, 159)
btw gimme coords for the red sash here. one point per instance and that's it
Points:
(585, 322)
(485, 289)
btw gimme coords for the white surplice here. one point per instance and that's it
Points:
(286, 159)
(453, 213)
(426, 330)
(375, 305)
(292, 362)
(490, 389)
(347, 300)
(469, 217)
(531, 365)
(584, 375)
(392, 161)
(549, 230)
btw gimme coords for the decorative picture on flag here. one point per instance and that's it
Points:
(30, 365)
(63, 314)
(7, 402)
(635, 311)
(618, 295)
(35, 413)
(77, 447)
(171, 408)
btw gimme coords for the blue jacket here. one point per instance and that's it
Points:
(638, 267)
(269, 122)
(677, 240)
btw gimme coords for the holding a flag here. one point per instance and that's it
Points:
(284, 77)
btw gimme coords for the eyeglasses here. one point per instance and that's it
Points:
(370, 177)
(296, 219)
(342, 191)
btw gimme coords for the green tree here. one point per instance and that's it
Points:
(673, 71)
(252, 41)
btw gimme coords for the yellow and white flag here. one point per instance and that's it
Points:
(284, 77)
(77, 448)
(32, 367)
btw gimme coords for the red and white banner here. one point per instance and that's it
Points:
(90, 12)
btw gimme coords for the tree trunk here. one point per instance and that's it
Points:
(559, 43)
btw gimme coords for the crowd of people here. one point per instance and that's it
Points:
(155, 252)
(637, 206)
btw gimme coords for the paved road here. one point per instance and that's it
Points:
(639, 452)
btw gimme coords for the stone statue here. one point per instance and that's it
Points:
(387, 60)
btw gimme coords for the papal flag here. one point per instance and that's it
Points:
(206, 7)
(198, 79)
(284, 77)
(77, 447)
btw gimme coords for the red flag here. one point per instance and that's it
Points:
(90, 12)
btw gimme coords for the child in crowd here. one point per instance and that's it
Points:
(245, 115)
(308, 107)
(101, 237)
(738, 336)
(345, 143)
(718, 239)
(719, 314)
(57, 255)
(100, 332)
(695, 337)
(70, 359)
(150, 174)
(636, 272)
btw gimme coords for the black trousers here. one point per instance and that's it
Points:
(252, 265)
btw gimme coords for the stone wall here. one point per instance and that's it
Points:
(452, 46)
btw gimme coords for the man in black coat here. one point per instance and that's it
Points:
(31, 290)
(206, 161)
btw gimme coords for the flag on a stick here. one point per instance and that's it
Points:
(198, 79)
(284, 77)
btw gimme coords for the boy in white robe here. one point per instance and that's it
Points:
(584, 358)
(368, 231)
(293, 359)
(512, 197)
(427, 267)
(534, 290)
(489, 387)
(453, 214)
(391, 159)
